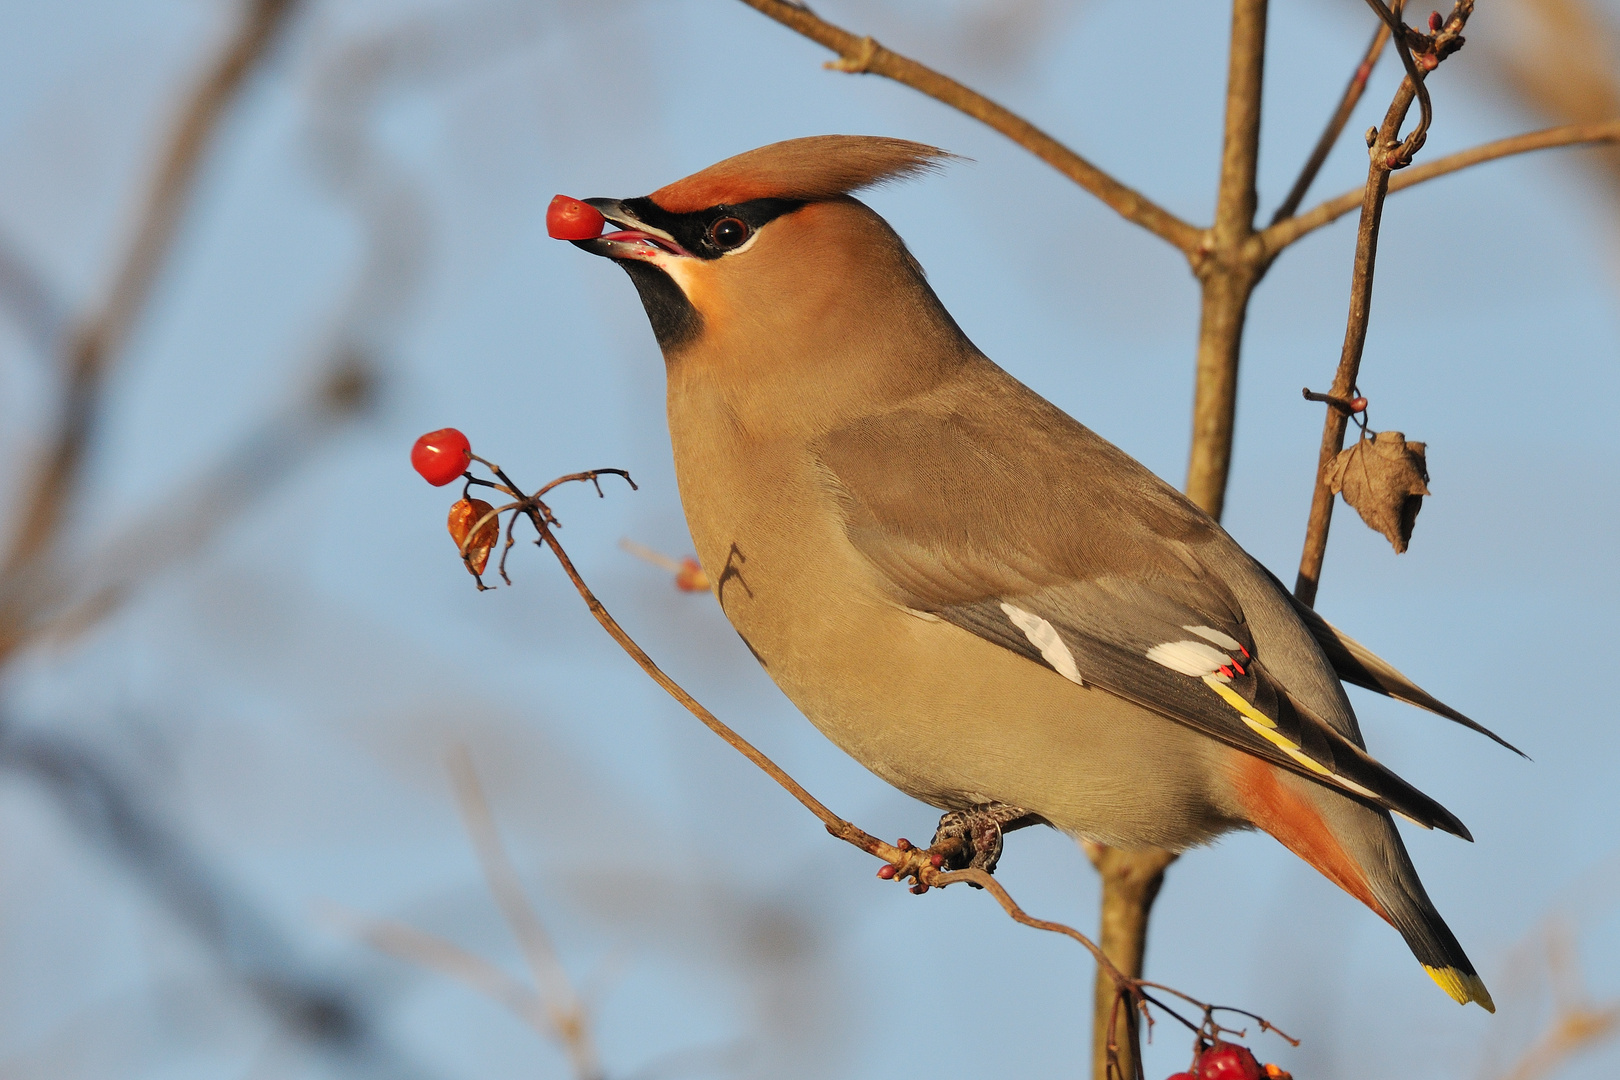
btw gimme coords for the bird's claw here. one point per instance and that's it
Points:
(964, 840)
(972, 838)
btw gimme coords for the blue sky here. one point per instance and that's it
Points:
(288, 692)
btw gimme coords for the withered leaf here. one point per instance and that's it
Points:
(1384, 478)
(466, 514)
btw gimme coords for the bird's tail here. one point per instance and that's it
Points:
(1360, 850)
(1406, 905)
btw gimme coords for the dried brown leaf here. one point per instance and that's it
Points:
(1384, 478)
(464, 516)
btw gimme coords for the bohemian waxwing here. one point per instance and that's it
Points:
(985, 603)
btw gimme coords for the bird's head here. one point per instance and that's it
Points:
(765, 258)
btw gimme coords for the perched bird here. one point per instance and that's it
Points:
(983, 602)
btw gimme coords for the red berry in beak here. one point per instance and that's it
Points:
(571, 219)
(690, 577)
(441, 456)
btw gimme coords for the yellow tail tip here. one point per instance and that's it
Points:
(1462, 986)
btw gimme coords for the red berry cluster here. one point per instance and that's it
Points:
(1228, 1061)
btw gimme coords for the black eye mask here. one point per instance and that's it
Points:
(709, 234)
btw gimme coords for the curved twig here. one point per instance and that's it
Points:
(902, 860)
(1401, 156)
(863, 55)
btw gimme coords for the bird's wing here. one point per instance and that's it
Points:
(1355, 663)
(1036, 535)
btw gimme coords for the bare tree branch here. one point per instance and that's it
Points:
(1226, 266)
(104, 334)
(1279, 236)
(559, 1008)
(47, 599)
(863, 55)
(1335, 125)
(445, 957)
(1386, 152)
(318, 1008)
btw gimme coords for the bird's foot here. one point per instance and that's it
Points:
(964, 840)
(971, 839)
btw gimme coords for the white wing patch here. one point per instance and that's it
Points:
(1209, 633)
(1189, 657)
(1044, 636)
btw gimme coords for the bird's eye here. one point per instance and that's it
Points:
(727, 233)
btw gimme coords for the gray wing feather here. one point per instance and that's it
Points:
(1355, 663)
(1012, 501)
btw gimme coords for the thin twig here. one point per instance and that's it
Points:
(1574, 1030)
(561, 1007)
(647, 554)
(101, 337)
(915, 863)
(924, 866)
(1335, 125)
(502, 879)
(1385, 152)
(1285, 233)
(863, 55)
(447, 958)
(41, 600)
(1400, 156)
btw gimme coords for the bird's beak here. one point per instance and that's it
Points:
(635, 239)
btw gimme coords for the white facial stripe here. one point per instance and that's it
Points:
(1044, 636)
(678, 267)
(1211, 634)
(1189, 657)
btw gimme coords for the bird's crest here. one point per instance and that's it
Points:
(813, 169)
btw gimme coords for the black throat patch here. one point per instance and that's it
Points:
(675, 322)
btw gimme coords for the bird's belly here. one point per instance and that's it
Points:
(941, 714)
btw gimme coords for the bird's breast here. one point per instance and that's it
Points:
(934, 710)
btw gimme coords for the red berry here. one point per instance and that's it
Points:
(1224, 1061)
(572, 219)
(441, 456)
(690, 577)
